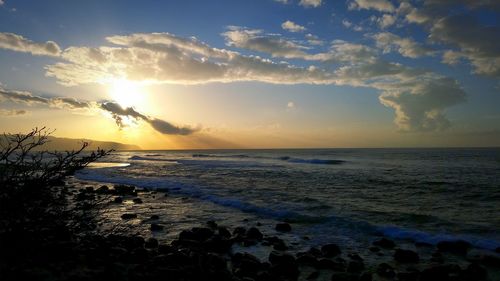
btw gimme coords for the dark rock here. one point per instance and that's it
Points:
(245, 264)
(224, 232)
(307, 259)
(344, 276)
(139, 255)
(408, 276)
(332, 265)
(384, 243)
(374, 249)
(458, 247)
(435, 273)
(281, 258)
(156, 227)
(103, 189)
(313, 276)
(366, 276)
(212, 224)
(280, 245)
(406, 256)
(89, 189)
(240, 230)
(218, 244)
(385, 270)
(165, 249)
(355, 257)
(154, 217)
(118, 200)
(283, 227)
(128, 216)
(497, 250)
(474, 272)
(124, 189)
(199, 234)
(254, 233)
(330, 250)
(355, 266)
(151, 243)
(315, 252)
(137, 200)
(490, 260)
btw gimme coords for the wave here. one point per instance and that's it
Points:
(135, 157)
(201, 155)
(433, 238)
(315, 161)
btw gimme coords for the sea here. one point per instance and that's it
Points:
(347, 196)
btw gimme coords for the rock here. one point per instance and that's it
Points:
(435, 273)
(137, 200)
(406, 256)
(366, 276)
(245, 264)
(128, 216)
(329, 264)
(154, 217)
(139, 255)
(240, 230)
(330, 250)
(374, 249)
(212, 224)
(89, 189)
(497, 250)
(458, 247)
(118, 200)
(474, 272)
(490, 260)
(165, 249)
(218, 244)
(307, 259)
(355, 257)
(281, 258)
(103, 189)
(224, 232)
(151, 243)
(385, 270)
(199, 234)
(283, 227)
(124, 189)
(156, 227)
(344, 276)
(254, 233)
(355, 266)
(423, 245)
(313, 276)
(280, 245)
(384, 243)
(408, 276)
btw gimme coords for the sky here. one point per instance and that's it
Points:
(254, 74)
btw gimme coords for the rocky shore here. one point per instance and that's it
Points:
(215, 251)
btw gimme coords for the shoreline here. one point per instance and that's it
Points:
(247, 250)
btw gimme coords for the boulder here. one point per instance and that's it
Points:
(128, 216)
(254, 233)
(151, 243)
(330, 250)
(405, 256)
(458, 247)
(156, 227)
(344, 276)
(384, 243)
(386, 271)
(283, 227)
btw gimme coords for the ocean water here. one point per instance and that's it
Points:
(348, 196)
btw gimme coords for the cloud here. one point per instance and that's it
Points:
(386, 20)
(420, 105)
(283, 1)
(166, 58)
(1, 2)
(12, 112)
(379, 5)
(117, 112)
(18, 43)
(292, 27)
(310, 3)
(475, 42)
(407, 47)
(290, 105)
(314, 40)
(159, 125)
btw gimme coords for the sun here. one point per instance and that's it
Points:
(126, 93)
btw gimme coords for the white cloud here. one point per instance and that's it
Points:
(1, 2)
(452, 57)
(290, 105)
(314, 40)
(283, 1)
(407, 47)
(386, 20)
(310, 3)
(420, 107)
(18, 43)
(292, 27)
(346, 23)
(379, 5)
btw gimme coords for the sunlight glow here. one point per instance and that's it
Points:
(126, 93)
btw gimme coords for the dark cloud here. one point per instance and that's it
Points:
(159, 125)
